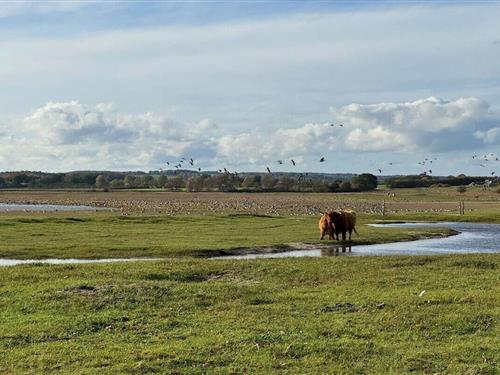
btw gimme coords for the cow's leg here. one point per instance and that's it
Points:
(343, 235)
(350, 233)
(322, 234)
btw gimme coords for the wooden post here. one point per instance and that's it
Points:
(461, 207)
(383, 207)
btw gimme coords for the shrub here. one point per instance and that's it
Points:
(461, 189)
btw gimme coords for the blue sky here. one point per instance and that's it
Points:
(131, 85)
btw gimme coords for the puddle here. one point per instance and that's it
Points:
(473, 238)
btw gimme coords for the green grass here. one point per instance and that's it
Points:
(101, 235)
(190, 315)
(336, 315)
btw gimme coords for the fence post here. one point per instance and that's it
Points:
(383, 207)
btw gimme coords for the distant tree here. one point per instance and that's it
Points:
(333, 187)
(194, 183)
(129, 181)
(147, 181)
(364, 182)
(320, 187)
(161, 181)
(101, 182)
(267, 182)
(2, 182)
(175, 183)
(345, 186)
(226, 182)
(117, 183)
(286, 183)
(250, 182)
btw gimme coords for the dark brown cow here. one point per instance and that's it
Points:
(343, 221)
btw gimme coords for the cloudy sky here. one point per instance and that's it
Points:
(131, 85)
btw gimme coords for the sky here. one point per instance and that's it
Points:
(132, 85)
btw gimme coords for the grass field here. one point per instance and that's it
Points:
(325, 315)
(190, 315)
(105, 235)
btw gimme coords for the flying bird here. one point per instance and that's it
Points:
(322, 160)
(293, 162)
(379, 170)
(268, 170)
(280, 161)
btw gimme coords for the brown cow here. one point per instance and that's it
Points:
(326, 226)
(343, 221)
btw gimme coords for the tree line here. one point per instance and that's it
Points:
(423, 180)
(188, 181)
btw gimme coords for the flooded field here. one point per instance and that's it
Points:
(472, 238)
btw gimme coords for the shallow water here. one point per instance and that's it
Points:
(15, 262)
(44, 207)
(473, 238)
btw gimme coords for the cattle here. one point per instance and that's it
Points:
(326, 226)
(344, 221)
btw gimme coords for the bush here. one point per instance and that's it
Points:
(461, 189)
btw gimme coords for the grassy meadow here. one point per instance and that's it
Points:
(187, 314)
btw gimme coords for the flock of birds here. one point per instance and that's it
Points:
(426, 163)
(485, 159)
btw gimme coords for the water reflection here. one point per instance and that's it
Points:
(336, 250)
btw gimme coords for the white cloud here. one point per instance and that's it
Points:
(71, 135)
(376, 139)
(491, 136)
(429, 124)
